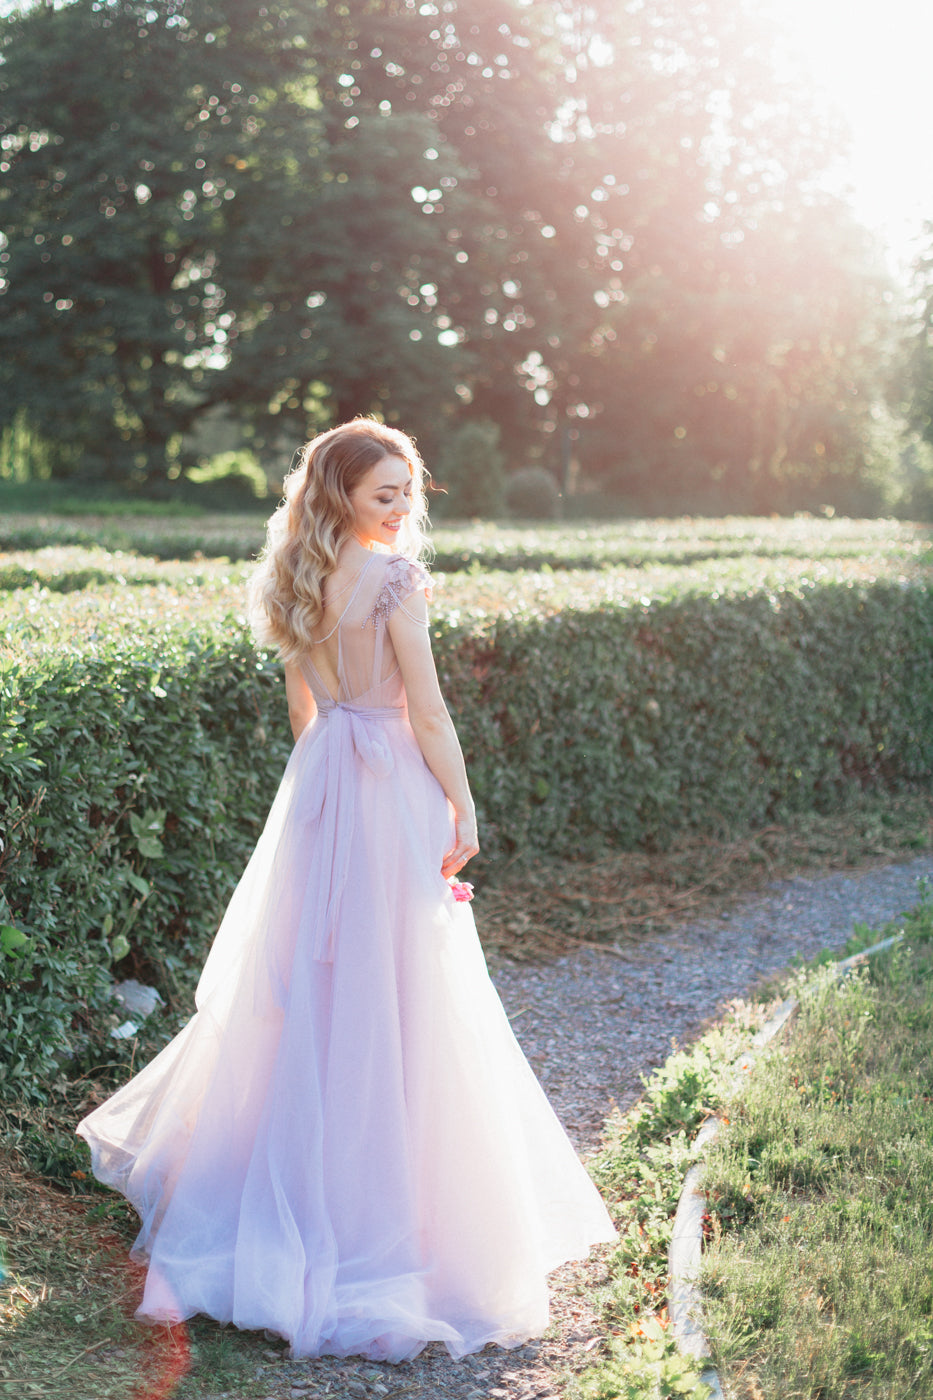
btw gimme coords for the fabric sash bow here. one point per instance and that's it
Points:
(354, 734)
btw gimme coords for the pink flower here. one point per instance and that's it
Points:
(461, 890)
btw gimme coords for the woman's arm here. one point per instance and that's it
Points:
(434, 729)
(301, 706)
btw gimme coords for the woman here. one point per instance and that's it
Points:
(345, 1145)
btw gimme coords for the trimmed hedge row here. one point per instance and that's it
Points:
(473, 546)
(131, 787)
(134, 783)
(629, 726)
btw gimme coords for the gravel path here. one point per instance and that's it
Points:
(591, 1023)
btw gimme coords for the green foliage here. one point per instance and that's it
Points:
(88, 498)
(827, 1159)
(921, 358)
(916, 472)
(238, 472)
(652, 1370)
(66, 595)
(134, 775)
(471, 469)
(24, 456)
(640, 1171)
(192, 234)
(531, 493)
(294, 214)
(133, 784)
(627, 725)
(720, 554)
(679, 1094)
(12, 941)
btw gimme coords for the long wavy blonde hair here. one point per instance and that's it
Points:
(304, 535)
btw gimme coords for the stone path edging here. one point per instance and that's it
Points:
(686, 1248)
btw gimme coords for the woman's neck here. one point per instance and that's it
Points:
(355, 551)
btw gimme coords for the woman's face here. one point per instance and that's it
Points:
(381, 501)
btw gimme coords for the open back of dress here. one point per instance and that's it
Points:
(355, 639)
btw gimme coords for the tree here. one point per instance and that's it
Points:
(114, 198)
(198, 230)
(920, 330)
(650, 256)
(736, 346)
(576, 216)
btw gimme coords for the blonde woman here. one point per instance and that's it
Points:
(345, 1145)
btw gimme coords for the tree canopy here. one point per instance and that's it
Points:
(596, 220)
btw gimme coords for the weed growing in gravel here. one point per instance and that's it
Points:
(819, 1263)
(641, 1171)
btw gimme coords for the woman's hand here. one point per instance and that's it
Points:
(466, 846)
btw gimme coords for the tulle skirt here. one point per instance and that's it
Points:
(345, 1144)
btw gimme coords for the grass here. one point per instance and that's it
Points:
(66, 1309)
(819, 1267)
(818, 1274)
(640, 1171)
(864, 1255)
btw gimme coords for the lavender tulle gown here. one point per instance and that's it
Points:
(345, 1144)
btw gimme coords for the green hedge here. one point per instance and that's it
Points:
(630, 726)
(478, 546)
(134, 783)
(131, 787)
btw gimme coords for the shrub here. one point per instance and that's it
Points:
(631, 725)
(471, 469)
(531, 494)
(237, 475)
(134, 783)
(131, 786)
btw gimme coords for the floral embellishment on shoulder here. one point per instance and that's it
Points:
(405, 575)
(402, 578)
